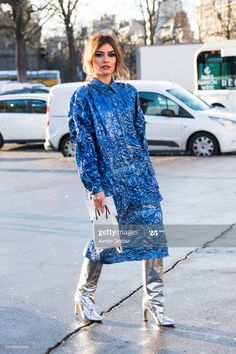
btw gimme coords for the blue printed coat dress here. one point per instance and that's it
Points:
(107, 127)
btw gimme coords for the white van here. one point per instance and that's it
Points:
(175, 120)
(22, 118)
(57, 131)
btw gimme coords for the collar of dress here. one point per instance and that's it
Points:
(104, 87)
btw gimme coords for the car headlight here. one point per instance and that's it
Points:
(223, 121)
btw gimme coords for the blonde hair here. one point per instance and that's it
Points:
(94, 43)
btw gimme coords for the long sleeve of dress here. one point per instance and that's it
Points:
(82, 134)
(139, 124)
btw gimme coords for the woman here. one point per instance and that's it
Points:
(107, 126)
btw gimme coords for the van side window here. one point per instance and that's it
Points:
(16, 106)
(2, 106)
(38, 106)
(149, 103)
(156, 104)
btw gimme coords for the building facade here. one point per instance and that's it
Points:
(173, 24)
(217, 20)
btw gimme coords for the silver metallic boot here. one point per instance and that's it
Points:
(85, 293)
(153, 300)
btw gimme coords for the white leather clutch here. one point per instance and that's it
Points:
(105, 226)
(109, 203)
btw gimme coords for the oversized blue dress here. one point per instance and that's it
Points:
(107, 126)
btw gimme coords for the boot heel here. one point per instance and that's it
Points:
(145, 314)
(87, 314)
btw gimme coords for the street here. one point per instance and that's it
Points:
(45, 226)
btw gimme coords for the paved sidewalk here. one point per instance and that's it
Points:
(200, 296)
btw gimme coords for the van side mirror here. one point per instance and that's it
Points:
(167, 113)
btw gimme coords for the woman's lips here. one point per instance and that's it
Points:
(106, 67)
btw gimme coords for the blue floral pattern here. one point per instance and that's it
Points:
(107, 126)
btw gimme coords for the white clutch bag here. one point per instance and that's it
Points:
(105, 226)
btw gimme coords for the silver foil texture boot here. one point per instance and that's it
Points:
(85, 293)
(153, 300)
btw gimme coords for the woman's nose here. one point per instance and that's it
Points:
(106, 58)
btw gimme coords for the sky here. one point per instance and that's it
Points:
(123, 9)
(91, 8)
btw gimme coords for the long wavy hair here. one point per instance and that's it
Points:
(93, 45)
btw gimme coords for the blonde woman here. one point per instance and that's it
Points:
(107, 126)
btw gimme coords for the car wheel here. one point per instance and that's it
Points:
(217, 105)
(203, 144)
(1, 141)
(67, 147)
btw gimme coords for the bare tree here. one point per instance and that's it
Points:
(150, 13)
(227, 18)
(21, 13)
(67, 12)
(24, 23)
(199, 26)
(181, 30)
(129, 52)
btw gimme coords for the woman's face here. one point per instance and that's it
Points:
(104, 61)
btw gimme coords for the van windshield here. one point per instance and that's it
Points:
(189, 99)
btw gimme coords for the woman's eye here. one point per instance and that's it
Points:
(110, 55)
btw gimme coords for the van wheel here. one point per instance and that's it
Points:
(1, 141)
(203, 144)
(67, 147)
(217, 105)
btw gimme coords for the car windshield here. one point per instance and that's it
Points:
(189, 99)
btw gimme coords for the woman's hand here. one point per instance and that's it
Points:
(99, 201)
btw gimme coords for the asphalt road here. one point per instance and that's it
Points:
(44, 227)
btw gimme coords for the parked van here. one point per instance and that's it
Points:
(175, 120)
(22, 118)
(57, 131)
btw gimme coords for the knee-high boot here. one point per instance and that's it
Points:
(153, 300)
(85, 293)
